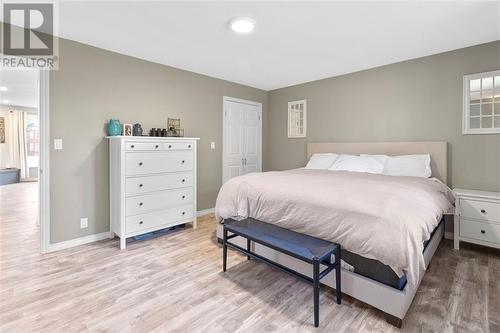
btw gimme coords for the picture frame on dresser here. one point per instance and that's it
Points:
(477, 218)
(152, 184)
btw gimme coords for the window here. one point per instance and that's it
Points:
(481, 113)
(297, 119)
(32, 134)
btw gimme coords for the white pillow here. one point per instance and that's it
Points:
(407, 165)
(357, 164)
(321, 161)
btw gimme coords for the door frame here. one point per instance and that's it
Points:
(226, 99)
(44, 170)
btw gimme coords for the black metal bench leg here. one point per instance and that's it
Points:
(316, 292)
(224, 250)
(338, 271)
(248, 248)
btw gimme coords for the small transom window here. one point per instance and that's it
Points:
(481, 113)
(297, 112)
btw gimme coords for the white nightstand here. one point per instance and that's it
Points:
(477, 218)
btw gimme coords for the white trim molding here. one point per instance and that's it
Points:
(103, 235)
(80, 241)
(205, 212)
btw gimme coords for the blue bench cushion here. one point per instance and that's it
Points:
(302, 246)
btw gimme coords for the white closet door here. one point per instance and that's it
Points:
(234, 114)
(252, 137)
(242, 137)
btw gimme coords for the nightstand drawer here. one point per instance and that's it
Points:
(481, 210)
(487, 232)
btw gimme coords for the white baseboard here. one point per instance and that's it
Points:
(103, 235)
(448, 235)
(79, 241)
(205, 212)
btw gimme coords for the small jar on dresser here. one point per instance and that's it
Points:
(152, 184)
(477, 218)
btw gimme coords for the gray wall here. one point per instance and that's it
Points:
(416, 100)
(93, 85)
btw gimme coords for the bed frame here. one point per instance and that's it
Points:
(393, 302)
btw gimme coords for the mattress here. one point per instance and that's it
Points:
(374, 269)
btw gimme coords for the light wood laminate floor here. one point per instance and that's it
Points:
(174, 283)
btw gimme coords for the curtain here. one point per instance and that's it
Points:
(17, 142)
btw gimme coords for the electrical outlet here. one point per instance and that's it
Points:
(58, 144)
(212, 145)
(84, 222)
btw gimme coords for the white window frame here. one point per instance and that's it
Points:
(304, 115)
(466, 104)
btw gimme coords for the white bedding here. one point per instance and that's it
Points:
(381, 217)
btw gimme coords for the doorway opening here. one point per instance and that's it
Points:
(20, 160)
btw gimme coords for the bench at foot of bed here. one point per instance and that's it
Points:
(308, 249)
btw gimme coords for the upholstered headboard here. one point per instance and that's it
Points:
(437, 150)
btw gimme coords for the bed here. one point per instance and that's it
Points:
(380, 268)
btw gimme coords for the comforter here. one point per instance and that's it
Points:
(381, 217)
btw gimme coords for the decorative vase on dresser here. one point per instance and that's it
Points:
(152, 184)
(477, 218)
(114, 127)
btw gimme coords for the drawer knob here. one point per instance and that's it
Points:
(183, 213)
(169, 146)
(140, 163)
(483, 211)
(183, 180)
(483, 232)
(140, 203)
(140, 185)
(183, 161)
(157, 146)
(189, 146)
(141, 222)
(132, 146)
(183, 197)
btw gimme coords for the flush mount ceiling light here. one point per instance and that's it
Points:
(242, 25)
(3, 88)
(5, 101)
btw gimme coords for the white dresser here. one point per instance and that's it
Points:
(477, 218)
(152, 184)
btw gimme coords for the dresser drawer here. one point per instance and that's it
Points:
(137, 223)
(178, 145)
(144, 146)
(144, 184)
(487, 232)
(482, 210)
(150, 163)
(157, 200)
(131, 146)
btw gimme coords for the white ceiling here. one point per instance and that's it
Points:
(22, 88)
(294, 42)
